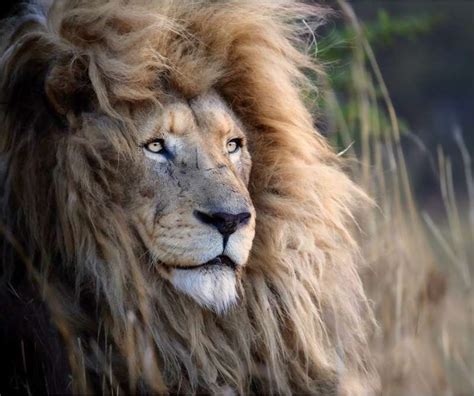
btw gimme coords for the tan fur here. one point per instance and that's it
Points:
(70, 152)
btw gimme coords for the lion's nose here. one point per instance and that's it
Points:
(226, 223)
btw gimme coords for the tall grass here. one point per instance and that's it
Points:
(419, 265)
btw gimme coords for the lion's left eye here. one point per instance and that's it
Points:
(156, 146)
(234, 145)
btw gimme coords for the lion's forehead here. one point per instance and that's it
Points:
(206, 115)
(177, 119)
(212, 112)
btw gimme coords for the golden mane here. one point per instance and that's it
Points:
(303, 318)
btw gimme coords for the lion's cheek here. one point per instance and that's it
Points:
(184, 248)
(239, 246)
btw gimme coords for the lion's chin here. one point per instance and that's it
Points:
(214, 288)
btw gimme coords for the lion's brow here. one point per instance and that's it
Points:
(178, 121)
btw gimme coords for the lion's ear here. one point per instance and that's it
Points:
(68, 89)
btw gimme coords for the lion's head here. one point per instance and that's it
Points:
(165, 189)
(186, 188)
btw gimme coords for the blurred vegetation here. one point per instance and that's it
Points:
(338, 47)
(420, 264)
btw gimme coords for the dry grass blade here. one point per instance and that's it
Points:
(417, 260)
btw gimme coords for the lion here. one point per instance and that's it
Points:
(171, 220)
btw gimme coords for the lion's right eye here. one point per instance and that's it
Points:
(156, 146)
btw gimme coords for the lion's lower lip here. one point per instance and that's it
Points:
(216, 261)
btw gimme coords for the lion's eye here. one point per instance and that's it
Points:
(155, 146)
(234, 145)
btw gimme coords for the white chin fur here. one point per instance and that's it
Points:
(214, 288)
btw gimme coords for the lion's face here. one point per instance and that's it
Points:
(192, 210)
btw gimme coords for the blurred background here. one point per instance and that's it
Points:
(397, 100)
(425, 51)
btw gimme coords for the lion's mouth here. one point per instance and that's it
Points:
(221, 260)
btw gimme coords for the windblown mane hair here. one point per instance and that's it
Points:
(72, 280)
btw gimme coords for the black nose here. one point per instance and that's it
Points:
(226, 223)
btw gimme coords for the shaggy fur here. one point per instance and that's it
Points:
(302, 320)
